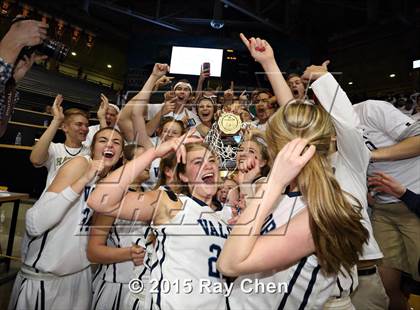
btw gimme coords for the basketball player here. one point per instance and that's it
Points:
(115, 245)
(55, 273)
(189, 229)
(345, 165)
(74, 123)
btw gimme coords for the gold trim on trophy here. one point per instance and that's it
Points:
(229, 123)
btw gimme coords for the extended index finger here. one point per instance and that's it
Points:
(244, 39)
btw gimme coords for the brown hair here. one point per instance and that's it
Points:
(170, 119)
(180, 167)
(335, 224)
(129, 151)
(92, 145)
(168, 161)
(260, 141)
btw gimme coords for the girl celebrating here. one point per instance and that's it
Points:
(55, 270)
(189, 228)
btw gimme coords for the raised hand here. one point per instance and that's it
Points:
(260, 49)
(248, 170)
(95, 169)
(313, 72)
(137, 255)
(163, 81)
(29, 32)
(290, 161)
(57, 109)
(177, 145)
(160, 70)
(103, 107)
(170, 105)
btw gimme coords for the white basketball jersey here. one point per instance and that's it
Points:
(61, 250)
(121, 235)
(302, 286)
(187, 249)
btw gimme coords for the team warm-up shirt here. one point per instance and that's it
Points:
(57, 156)
(187, 249)
(384, 125)
(61, 250)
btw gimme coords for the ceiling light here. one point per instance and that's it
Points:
(392, 75)
(108, 66)
(350, 83)
(73, 53)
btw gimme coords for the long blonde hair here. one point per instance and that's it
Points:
(335, 224)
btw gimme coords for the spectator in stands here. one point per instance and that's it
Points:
(107, 116)
(75, 124)
(263, 108)
(416, 112)
(48, 109)
(296, 85)
(12, 70)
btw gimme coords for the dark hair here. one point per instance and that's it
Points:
(170, 119)
(292, 75)
(181, 167)
(129, 151)
(99, 131)
(212, 103)
(168, 161)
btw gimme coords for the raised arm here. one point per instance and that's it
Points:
(110, 192)
(350, 143)
(125, 121)
(142, 100)
(246, 251)
(39, 154)
(262, 52)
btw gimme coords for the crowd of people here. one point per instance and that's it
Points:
(323, 197)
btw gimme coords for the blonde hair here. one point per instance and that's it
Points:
(334, 222)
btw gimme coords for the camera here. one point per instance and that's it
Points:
(51, 48)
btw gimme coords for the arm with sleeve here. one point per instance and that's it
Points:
(349, 137)
(49, 210)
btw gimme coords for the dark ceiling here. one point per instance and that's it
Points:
(119, 20)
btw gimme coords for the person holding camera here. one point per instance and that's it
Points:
(12, 67)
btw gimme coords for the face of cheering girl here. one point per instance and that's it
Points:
(250, 149)
(205, 110)
(201, 173)
(107, 145)
(171, 130)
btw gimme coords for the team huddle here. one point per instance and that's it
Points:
(141, 197)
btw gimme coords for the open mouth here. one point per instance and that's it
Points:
(295, 92)
(108, 154)
(208, 178)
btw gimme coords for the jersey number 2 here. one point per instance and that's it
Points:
(214, 249)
